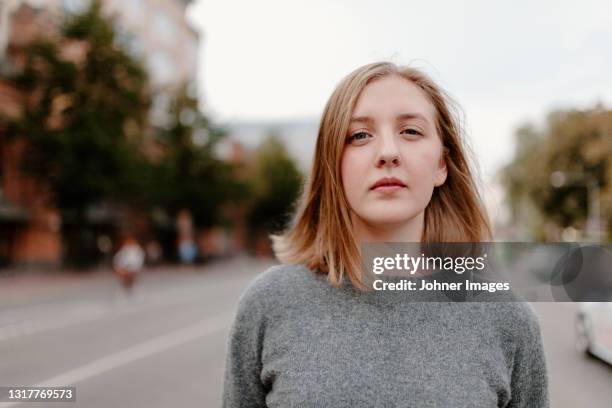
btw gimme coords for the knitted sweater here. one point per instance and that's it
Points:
(297, 341)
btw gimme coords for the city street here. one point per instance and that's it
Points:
(165, 346)
(576, 380)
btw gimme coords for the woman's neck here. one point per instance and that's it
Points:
(410, 231)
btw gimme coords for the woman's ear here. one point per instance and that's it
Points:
(441, 172)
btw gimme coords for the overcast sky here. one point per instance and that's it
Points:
(504, 63)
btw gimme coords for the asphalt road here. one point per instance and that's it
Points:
(165, 346)
(575, 379)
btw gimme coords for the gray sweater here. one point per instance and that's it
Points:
(297, 341)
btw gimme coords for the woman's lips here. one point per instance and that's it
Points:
(388, 185)
(388, 189)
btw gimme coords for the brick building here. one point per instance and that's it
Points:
(150, 30)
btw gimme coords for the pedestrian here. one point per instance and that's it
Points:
(127, 263)
(390, 165)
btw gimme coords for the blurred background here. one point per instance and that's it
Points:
(149, 147)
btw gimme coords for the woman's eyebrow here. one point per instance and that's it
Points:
(362, 119)
(399, 118)
(406, 116)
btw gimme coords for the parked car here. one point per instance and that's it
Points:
(594, 329)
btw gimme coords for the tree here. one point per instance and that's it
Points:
(86, 109)
(189, 175)
(576, 143)
(276, 183)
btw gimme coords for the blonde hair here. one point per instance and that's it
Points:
(321, 234)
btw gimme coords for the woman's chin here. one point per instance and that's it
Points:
(388, 220)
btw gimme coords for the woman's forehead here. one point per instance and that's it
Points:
(393, 98)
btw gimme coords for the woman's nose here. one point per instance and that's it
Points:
(388, 155)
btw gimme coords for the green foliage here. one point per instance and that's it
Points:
(85, 114)
(190, 176)
(89, 140)
(573, 142)
(276, 183)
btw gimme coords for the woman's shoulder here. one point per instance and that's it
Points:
(282, 277)
(517, 312)
(278, 282)
(517, 320)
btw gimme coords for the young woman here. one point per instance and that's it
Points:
(390, 166)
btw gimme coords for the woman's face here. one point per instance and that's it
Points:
(392, 159)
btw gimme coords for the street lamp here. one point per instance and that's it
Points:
(560, 179)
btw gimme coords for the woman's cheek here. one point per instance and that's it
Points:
(423, 165)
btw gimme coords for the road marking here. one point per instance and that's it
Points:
(15, 330)
(136, 352)
(91, 313)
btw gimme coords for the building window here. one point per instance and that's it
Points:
(74, 6)
(162, 68)
(159, 113)
(135, 8)
(129, 41)
(192, 56)
(164, 26)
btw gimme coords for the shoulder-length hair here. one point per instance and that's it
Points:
(321, 233)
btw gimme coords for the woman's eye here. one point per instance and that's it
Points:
(359, 136)
(411, 131)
